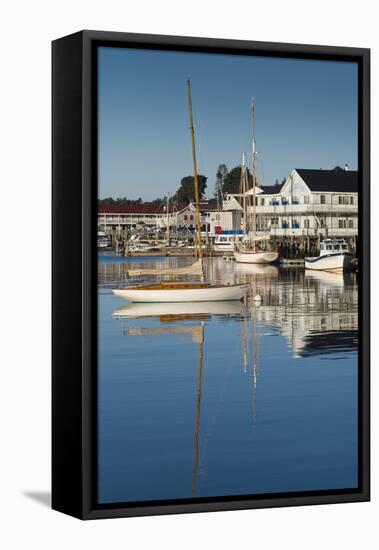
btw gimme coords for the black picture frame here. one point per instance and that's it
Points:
(74, 314)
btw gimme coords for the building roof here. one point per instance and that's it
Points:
(343, 181)
(208, 206)
(233, 191)
(271, 189)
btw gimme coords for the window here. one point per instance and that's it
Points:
(345, 199)
(306, 199)
(351, 224)
(191, 217)
(274, 222)
(342, 224)
(185, 217)
(322, 199)
(306, 224)
(295, 200)
(262, 202)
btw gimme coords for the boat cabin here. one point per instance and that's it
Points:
(331, 246)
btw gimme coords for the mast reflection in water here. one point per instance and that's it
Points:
(228, 398)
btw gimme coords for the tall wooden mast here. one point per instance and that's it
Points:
(254, 173)
(197, 198)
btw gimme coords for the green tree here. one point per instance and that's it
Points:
(186, 191)
(232, 179)
(338, 169)
(120, 201)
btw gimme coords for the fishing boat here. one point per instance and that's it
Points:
(175, 291)
(334, 256)
(247, 250)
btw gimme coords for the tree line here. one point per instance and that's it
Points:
(227, 181)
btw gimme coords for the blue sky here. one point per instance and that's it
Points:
(306, 117)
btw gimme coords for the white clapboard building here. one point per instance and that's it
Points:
(310, 203)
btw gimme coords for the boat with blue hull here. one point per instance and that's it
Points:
(334, 256)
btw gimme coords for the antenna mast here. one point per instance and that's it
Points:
(168, 219)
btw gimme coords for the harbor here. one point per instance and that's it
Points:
(310, 206)
(227, 379)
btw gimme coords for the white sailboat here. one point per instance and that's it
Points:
(173, 291)
(182, 292)
(248, 251)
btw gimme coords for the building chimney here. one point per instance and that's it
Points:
(346, 167)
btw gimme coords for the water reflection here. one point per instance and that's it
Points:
(176, 312)
(270, 409)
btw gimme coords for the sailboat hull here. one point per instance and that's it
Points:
(199, 294)
(255, 257)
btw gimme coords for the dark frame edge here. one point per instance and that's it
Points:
(67, 311)
(364, 280)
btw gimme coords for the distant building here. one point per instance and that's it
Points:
(311, 203)
(211, 219)
(118, 217)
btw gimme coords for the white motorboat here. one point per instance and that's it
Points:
(334, 256)
(224, 242)
(103, 240)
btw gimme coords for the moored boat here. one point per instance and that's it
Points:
(224, 243)
(182, 292)
(247, 251)
(334, 256)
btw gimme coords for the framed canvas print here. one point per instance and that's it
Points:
(210, 274)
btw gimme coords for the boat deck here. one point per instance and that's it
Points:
(172, 285)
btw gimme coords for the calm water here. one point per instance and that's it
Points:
(228, 398)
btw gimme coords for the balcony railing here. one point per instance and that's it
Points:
(306, 208)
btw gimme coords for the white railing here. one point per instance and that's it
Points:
(301, 232)
(299, 209)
